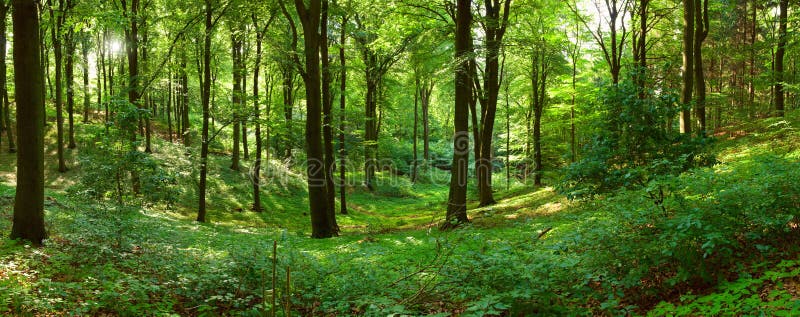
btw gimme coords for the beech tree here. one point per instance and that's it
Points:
(58, 18)
(321, 222)
(780, 53)
(5, 122)
(457, 198)
(494, 25)
(28, 221)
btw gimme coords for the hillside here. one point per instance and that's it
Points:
(724, 243)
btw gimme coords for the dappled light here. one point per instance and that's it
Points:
(399, 158)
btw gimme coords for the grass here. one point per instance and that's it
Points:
(533, 253)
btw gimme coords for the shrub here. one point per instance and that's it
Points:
(633, 145)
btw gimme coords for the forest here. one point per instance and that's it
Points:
(399, 158)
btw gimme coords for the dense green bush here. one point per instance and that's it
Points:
(112, 157)
(633, 145)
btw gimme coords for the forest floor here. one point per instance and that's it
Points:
(533, 253)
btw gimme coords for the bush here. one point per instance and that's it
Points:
(107, 165)
(633, 145)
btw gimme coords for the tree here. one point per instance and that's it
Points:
(701, 25)
(779, 57)
(5, 122)
(614, 18)
(688, 66)
(132, 49)
(540, 69)
(69, 73)
(377, 59)
(257, 111)
(206, 99)
(321, 225)
(55, 32)
(494, 24)
(457, 198)
(28, 221)
(85, 45)
(342, 116)
(237, 39)
(327, 115)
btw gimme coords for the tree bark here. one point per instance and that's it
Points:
(184, 95)
(28, 219)
(321, 225)
(236, 47)
(85, 69)
(69, 70)
(132, 48)
(257, 114)
(327, 118)
(495, 27)
(169, 104)
(206, 96)
(416, 124)
(57, 51)
(342, 117)
(288, 105)
(701, 31)
(425, 98)
(457, 197)
(5, 117)
(779, 57)
(688, 66)
(370, 125)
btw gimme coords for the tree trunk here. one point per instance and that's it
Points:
(257, 120)
(425, 98)
(701, 31)
(69, 69)
(132, 47)
(28, 219)
(101, 93)
(5, 117)
(417, 88)
(236, 47)
(288, 104)
(495, 30)
(85, 69)
(184, 95)
(327, 118)
(54, 33)
(169, 105)
(321, 226)
(342, 117)
(370, 124)
(243, 104)
(206, 96)
(145, 96)
(457, 198)
(640, 45)
(779, 58)
(688, 66)
(508, 139)
(753, 35)
(539, 97)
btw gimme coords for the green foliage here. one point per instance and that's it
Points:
(108, 163)
(768, 295)
(633, 144)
